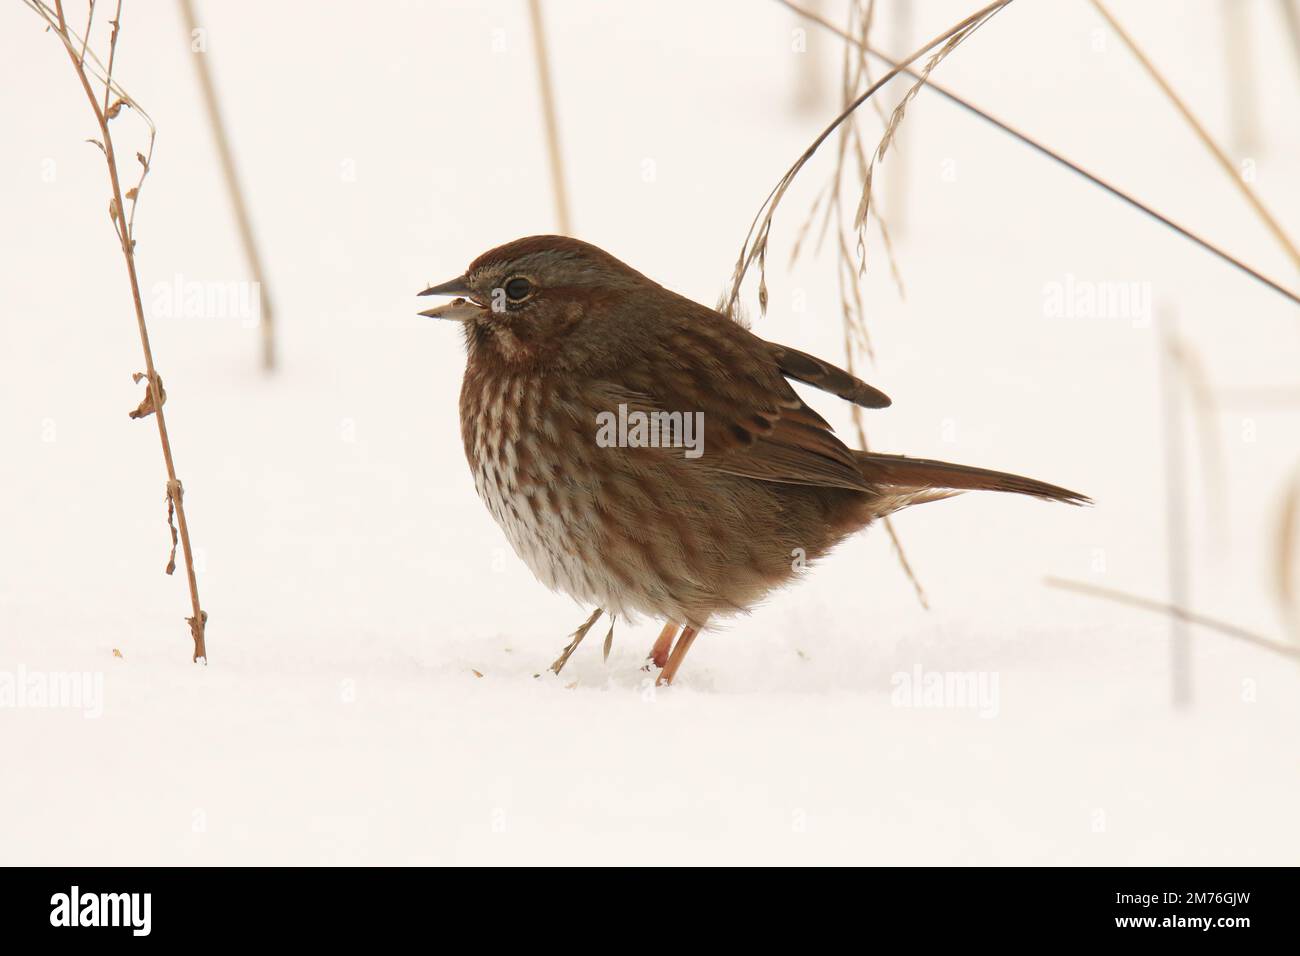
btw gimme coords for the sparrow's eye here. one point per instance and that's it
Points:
(518, 288)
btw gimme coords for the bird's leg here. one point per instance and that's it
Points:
(678, 655)
(577, 637)
(659, 653)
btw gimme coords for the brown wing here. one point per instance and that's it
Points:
(754, 423)
(813, 371)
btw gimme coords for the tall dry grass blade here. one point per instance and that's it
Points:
(855, 71)
(1182, 614)
(896, 118)
(1176, 536)
(1213, 460)
(1056, 157)
(547, 91)
(234, 189)
(1252, 396)
(1204, 136)
(754, 249)
(908, 571)
(1241, 79)
(1287, 558)
(809, 89)
(122, 226)
(896, 185)
(1291, 17)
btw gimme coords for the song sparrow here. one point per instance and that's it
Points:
(647, 455)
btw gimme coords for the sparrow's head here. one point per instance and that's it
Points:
(528, 296)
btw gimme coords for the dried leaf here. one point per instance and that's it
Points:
(146, 407)
(171, 523)
(132, 193)
(609, 638)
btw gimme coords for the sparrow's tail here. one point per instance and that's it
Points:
(910, 481)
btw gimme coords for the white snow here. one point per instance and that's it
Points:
(355, 583)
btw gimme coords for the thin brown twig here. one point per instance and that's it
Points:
(1204, 136)
(1200, 620)
(549, 114)
(234, 189)
(175, 492)
(1051, 154)
(112, 54)
(90, 20)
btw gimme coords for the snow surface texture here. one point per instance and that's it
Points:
(355, 584)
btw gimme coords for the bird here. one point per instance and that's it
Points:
(647, 455)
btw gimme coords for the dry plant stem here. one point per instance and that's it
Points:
(1200, 620)
(896, 186)
(548, 112)
(243, 221)
(854, 71)
(1233, 173)
(1283, 396)
(1240, 78)
(894, 540)
(576, 639)
(1205, 405)
(175, 492)
(808, 80)
(1176, 551)
(1055, 156)
(1288, 549)
(1291, 16)
(754, 248)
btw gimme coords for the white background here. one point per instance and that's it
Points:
(355, 583)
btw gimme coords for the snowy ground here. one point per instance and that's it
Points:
(355, 584)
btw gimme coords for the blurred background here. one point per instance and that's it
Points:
(373, 642)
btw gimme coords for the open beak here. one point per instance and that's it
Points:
(460, 309)
(457, 286)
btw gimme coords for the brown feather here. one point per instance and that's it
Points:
(813, 371)
(899, 471)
